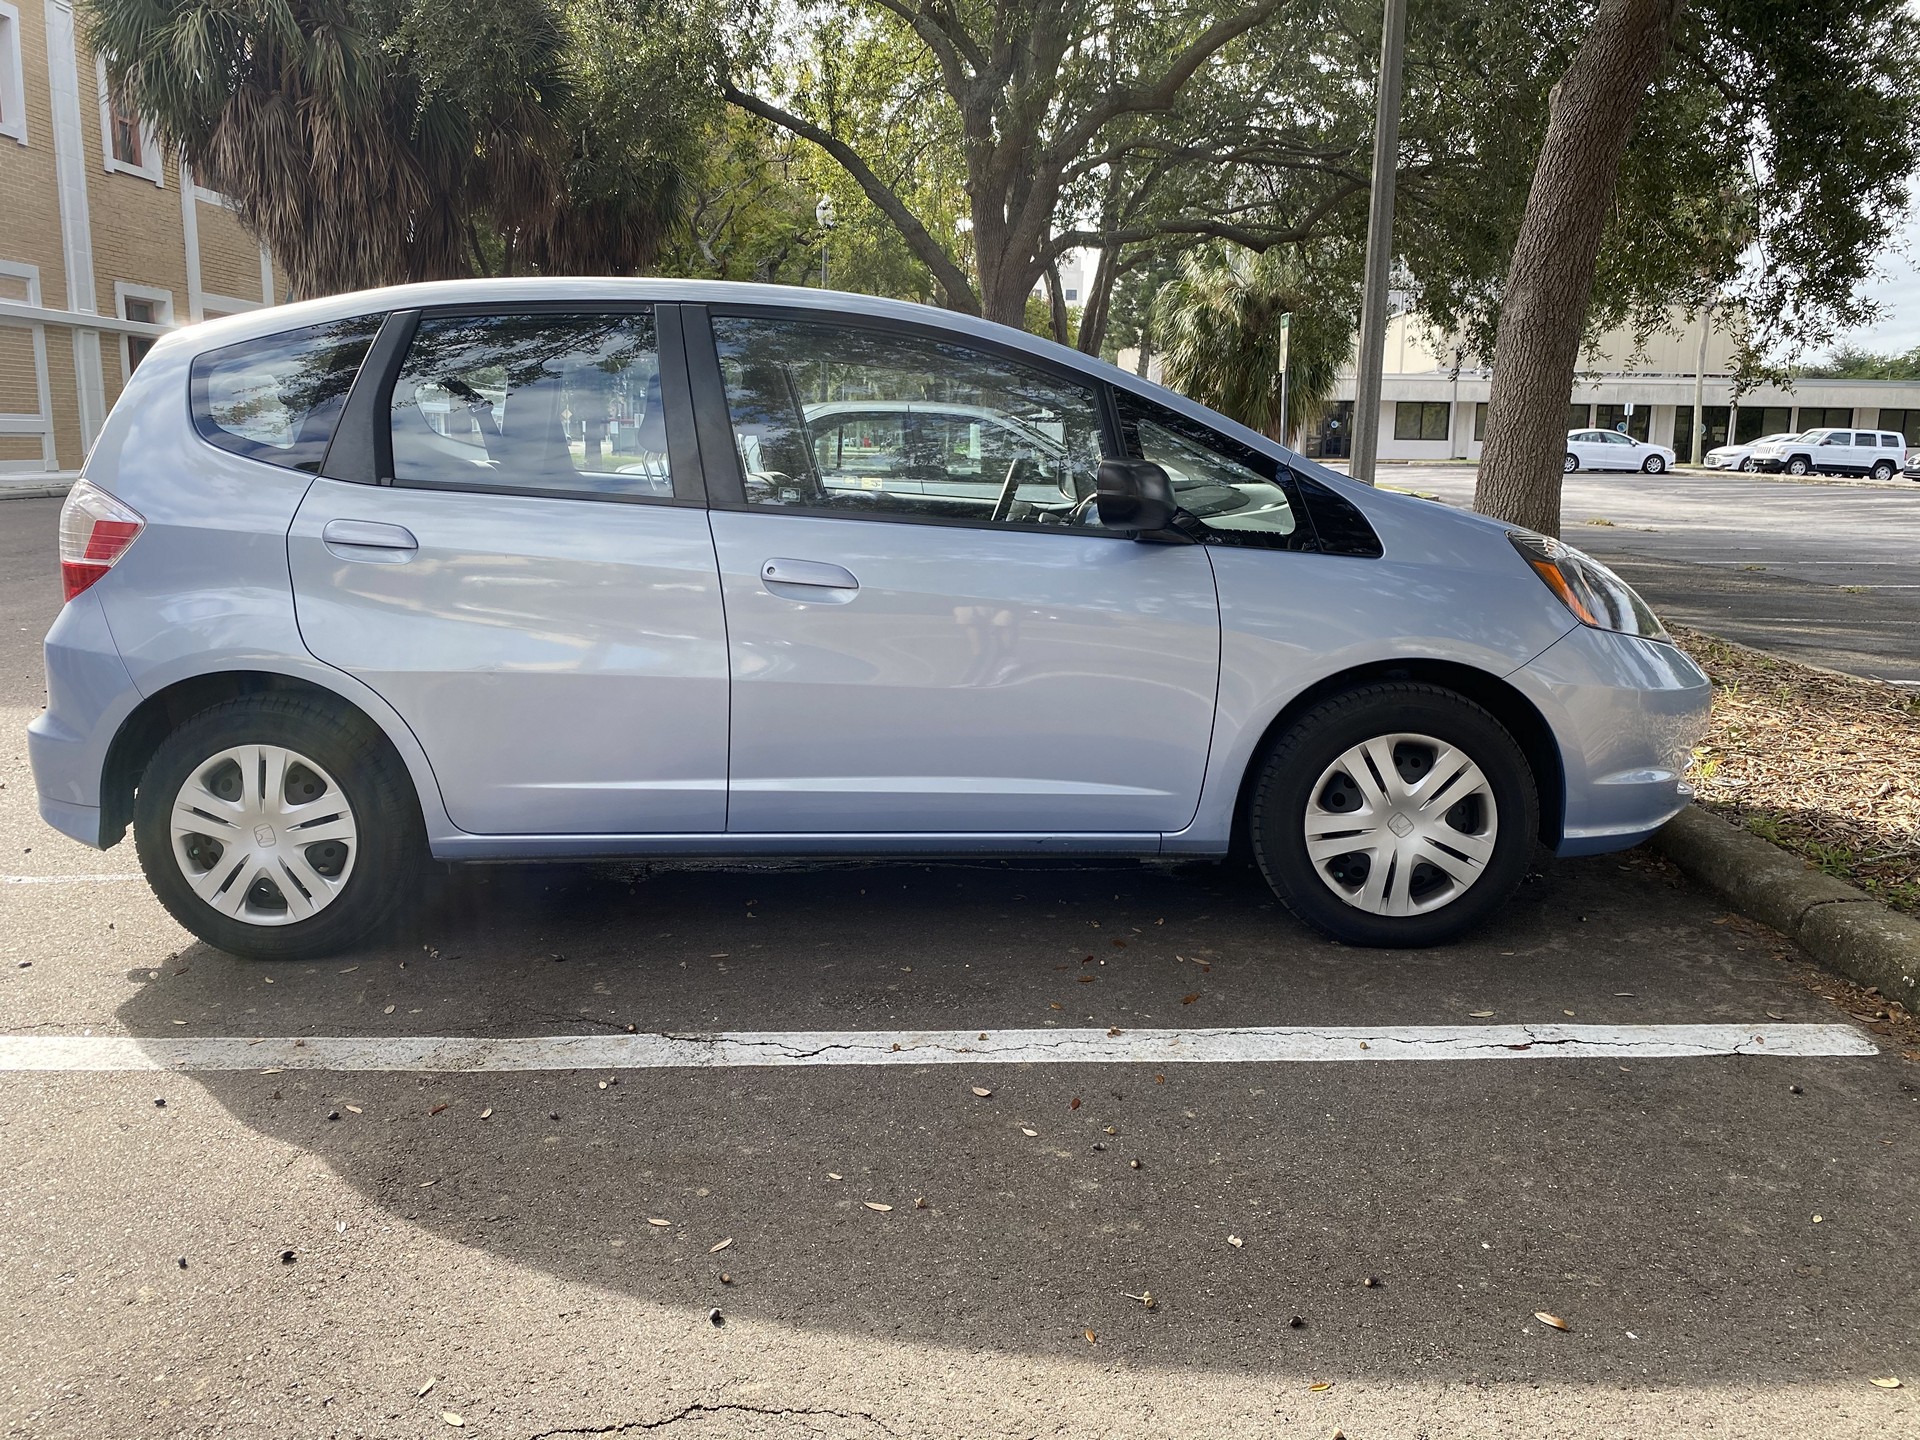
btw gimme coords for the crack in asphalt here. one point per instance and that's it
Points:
(635, 1427)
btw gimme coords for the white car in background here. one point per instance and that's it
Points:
(1610, 450)
(1740, 457)
(1879, 453)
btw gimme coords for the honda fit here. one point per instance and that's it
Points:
(545, 569)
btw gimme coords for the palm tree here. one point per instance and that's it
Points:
(368, 144)
(1217, 324)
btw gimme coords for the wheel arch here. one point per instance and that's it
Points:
(161, 713)
(1509, 706)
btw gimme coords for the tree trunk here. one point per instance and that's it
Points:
(1093, 318)
(1057, 306)
(1550, 280)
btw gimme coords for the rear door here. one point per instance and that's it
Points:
(974, 657)
(509, 544)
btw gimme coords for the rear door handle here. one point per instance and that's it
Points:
(816, 573)
(369, 540)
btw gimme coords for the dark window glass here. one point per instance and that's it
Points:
(1750, 423)
(1904, 422)
(543, 402)
(1612, 417)
(278, 398)
(1716, 436)
(1480, 421)
(1579, 417)
(1815, 418)
(871, 422)
(1420, 419)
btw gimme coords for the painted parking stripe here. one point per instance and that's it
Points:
(725, 1049)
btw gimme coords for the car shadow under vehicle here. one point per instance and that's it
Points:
(1410, 1217)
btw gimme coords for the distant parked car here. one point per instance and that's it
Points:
(1740, 457)
(1912, 466)
(1610, 450)
(562, 568)
(1879, 453)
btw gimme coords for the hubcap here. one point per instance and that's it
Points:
(264, 835)
(1401, 824)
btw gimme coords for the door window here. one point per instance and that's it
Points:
(886, 425)
(533, 403)
(1241, 496)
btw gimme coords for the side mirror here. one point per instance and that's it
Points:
(1134, 495)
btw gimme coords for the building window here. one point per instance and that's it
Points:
(1613, 417)
(1907, 422)
(13, 100)
(1715, 437)
(147, 313)
(1480, 422)
(1751, 422)
(126, 139)
(1420, 419)
(1579, 417)
(144, 305)
(1814, 417)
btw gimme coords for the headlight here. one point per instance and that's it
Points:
(1594, 594)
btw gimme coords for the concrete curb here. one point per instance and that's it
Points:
(1842, 927)
(35, 492)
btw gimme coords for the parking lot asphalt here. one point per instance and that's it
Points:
(291, 1251)
(1826, 571)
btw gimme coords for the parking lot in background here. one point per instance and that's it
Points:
(380, 1221)
(1826, 571)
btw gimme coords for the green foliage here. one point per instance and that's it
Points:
(1768, 167)
(1854, 362)
(370, 141)
(1221, 344)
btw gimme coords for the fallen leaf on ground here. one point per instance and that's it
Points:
(388, 1010)
(423, 1390)
(1319, 1385)
(655, 1220)
(982, 1091)
(716, 1249)
(1074, 1104)
(833, 1175)
(1189, 999)
(1084, 979)
(1092, 1339)
(434, 1111)
(1030, 1134)
(452, 1419)
(1236, 1242)
(1886, 1382)
(876, 1205)
(1554, 1320)
(487, 1114)
(355, 1109)
(1482, 1014)
(1145, 1297)
(425, 1183)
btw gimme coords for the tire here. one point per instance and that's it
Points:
(1747, 465)
(321, 769)
(1303, 781)
(1883, 470)
(1654, 465)
(1570, 464)
(1799, 465)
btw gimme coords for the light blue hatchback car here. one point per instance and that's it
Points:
(541, 569)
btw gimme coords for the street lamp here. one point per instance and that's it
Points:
(823, 217)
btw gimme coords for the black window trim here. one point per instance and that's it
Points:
(367, 456)
(726, 484)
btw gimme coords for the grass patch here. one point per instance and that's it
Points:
(1821, 764)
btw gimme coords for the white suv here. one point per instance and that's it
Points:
(1879, 453)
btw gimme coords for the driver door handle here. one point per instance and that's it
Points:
(816, 573)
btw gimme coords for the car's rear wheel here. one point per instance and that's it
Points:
(1394, 815)
(1883, 470)
(1654, 464)
(1570, 464)
(1799, 465)
(278, 827)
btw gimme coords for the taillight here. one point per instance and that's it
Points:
(95, 531)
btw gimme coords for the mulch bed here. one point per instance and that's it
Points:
(1822, 764)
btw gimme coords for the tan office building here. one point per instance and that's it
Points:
(105, 244)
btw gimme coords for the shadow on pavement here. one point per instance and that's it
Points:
(1669, 1199)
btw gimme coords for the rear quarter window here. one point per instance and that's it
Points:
(277, 398)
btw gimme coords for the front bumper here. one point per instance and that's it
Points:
(1627, 713)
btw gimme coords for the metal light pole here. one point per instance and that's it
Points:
(823, 217)
(1700, 388)
(1373, 299)
(1285, 326)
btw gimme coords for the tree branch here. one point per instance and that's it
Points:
(951, 278)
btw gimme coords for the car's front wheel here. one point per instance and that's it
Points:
(1654, 464)
(1570, 464)
(278, 827)
(1799, 465)
(1398, 814)
(1747, 465)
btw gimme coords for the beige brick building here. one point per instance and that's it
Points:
(105, 243)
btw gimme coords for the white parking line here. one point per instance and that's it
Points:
(109, 879)
(725, 1049)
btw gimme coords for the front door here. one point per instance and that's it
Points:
(535, 591)
(966, 650)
